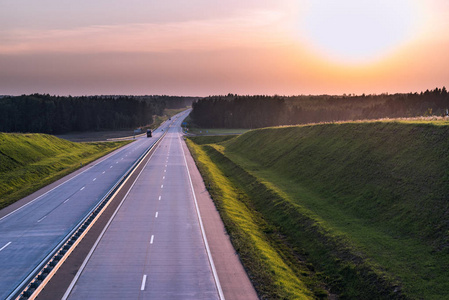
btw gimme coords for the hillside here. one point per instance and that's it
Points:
(365, 204)
(31, 161)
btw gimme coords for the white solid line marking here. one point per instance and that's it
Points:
(144, 280)
(203, 233)
(66, 200)
(5, 246)
(110, 167)
(41, 219)
(152, 238)
(162, 186)
(157, 213)
(82, 188)
(104, 172)
(160, 197)
(94, 179)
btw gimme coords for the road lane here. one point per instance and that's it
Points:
(153, 248)
(29, 233)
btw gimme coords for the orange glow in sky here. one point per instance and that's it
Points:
(211, 47)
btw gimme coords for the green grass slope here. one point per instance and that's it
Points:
(365, 203)
(266, 259)
(31, 161)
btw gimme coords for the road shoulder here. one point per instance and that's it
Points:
(233, 278)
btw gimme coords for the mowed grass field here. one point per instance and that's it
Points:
(359, 210)
(31, 161)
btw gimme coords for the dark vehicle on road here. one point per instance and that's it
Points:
(149, 133)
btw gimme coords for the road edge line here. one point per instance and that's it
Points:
(203, 233)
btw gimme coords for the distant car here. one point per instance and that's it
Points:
(149, 133)
(169, 118)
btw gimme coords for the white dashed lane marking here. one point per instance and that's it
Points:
(5, 246)
(144, 280)
(41, 219)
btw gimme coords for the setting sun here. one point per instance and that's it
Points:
(354, 31)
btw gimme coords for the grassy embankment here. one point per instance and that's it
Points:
(365, 205)
(31, 161)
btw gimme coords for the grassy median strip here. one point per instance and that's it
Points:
(31, 161)
(365, 204)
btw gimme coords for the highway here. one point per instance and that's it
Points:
(29, 233)
(154, 246)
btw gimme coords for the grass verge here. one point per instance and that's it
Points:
(29, 162)
(276, 271)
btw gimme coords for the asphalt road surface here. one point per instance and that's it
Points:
(154, 247)
(30, 232)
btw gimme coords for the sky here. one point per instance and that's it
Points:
(211, 47)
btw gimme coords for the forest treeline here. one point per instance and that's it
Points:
(233, 111)
(58, 114)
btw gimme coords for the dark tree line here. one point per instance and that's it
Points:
(55, 114)
(234, 111)
(238, 111)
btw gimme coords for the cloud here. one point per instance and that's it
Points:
(259, 28)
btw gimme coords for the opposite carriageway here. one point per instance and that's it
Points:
(32, 233)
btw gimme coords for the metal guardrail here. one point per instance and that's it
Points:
(37, 276)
